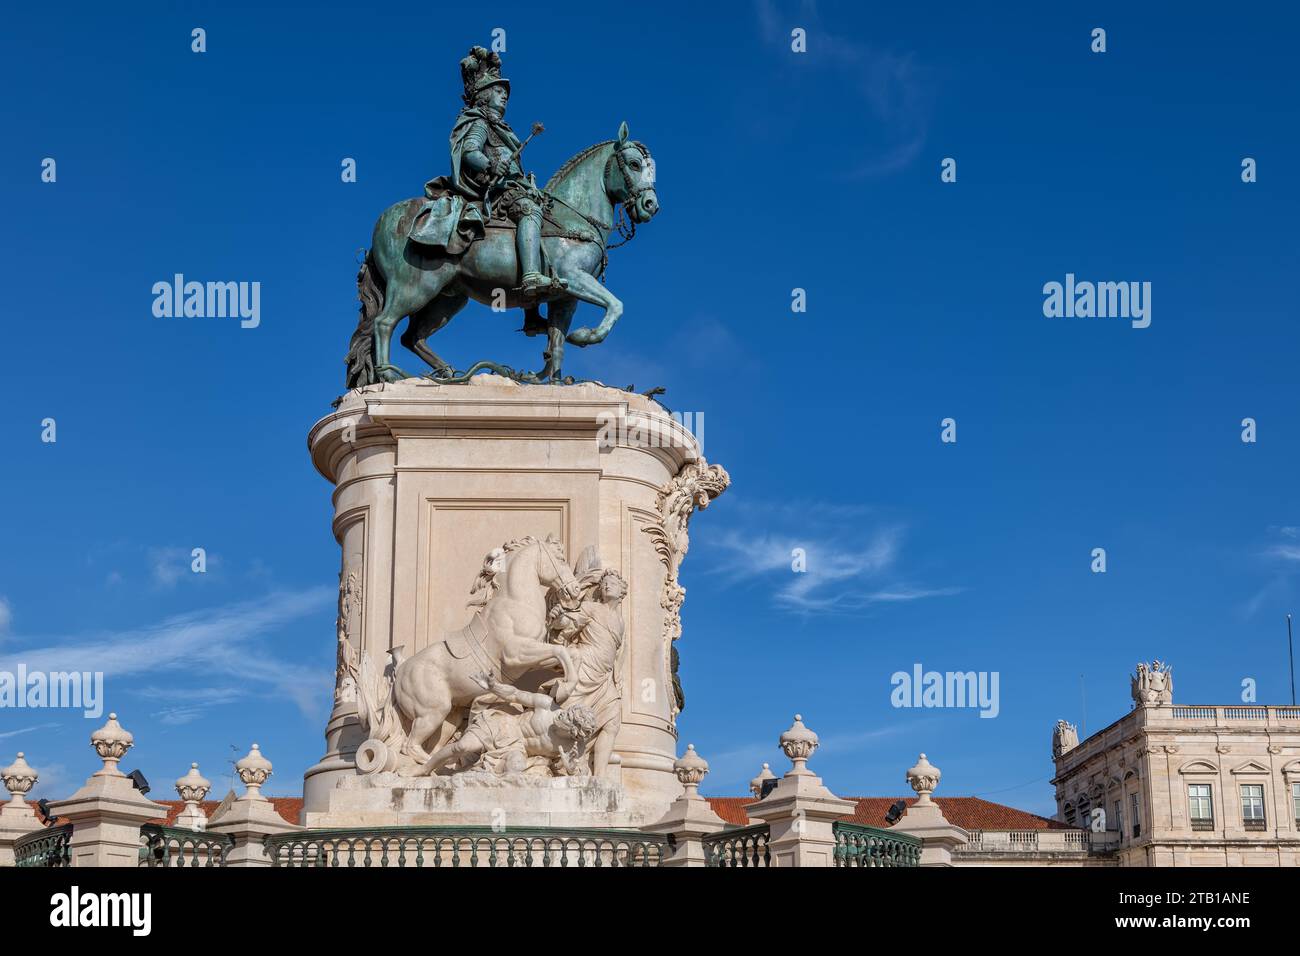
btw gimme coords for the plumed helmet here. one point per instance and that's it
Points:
(479, 70)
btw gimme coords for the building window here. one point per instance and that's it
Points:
(1252, 806)
(1137, 820)
(1295, 801)
(1119, 817)
(1200, 806)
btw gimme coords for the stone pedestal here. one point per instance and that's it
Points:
(107, 812)
(248, 821)
(938, 837)
(16, 820)
(926, 821)
(690, 818)
(106, 815)
(429, 478)
(476, 798)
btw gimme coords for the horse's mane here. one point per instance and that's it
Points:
(574, 161)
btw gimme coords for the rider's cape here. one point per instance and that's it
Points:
(451, 217)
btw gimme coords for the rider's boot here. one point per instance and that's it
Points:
(528, 246)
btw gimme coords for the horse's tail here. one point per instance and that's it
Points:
(361, 350)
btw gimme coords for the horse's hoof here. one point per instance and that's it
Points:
(581, 337)
(390, 373)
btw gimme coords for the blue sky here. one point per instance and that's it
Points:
(776, 171)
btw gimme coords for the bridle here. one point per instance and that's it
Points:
(623, 224)
(556, 566)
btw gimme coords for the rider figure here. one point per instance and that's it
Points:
(485, 163)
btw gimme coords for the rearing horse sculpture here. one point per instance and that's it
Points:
(506, 638)
(401, 278)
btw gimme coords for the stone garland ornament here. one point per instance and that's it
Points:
(697, 484)
(347, 631)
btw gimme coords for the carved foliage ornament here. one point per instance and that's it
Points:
(347, 629)
(697, 484)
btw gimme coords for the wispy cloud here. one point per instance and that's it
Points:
(228, 643)
(6, 616)
(891, 91)
(821, 572)
(26, 730)
(169, 566)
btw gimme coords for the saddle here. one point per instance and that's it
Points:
(450, 223)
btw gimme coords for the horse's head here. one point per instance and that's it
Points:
(630, 178)
(552, 567)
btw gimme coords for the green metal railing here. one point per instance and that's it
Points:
(859, 845)
(175, 846)
(741, 846)
(44, 848)
(472, 847)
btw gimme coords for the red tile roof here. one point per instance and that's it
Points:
(969, 813)
(287, 807)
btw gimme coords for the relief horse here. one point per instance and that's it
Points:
(401, 278)
(505, 638)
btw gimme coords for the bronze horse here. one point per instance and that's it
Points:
(402, 279)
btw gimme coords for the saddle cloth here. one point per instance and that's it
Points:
(447, 221)
(468, 641)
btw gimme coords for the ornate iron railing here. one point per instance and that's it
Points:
(741, 846)
(473, 847)
(44, 848)
(176, 846)
(859, 845)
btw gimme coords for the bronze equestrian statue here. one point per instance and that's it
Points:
(488, 233)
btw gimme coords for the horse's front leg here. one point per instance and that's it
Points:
(585, 287)
(525, 654)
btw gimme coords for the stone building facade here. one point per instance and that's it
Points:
(1186, 785)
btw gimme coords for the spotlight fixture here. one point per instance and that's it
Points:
(139, 782)
(895, 811)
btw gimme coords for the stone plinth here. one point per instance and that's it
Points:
(429, 478)
(476, 798)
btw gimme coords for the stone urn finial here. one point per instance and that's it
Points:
(111, 742)
(690, 768)
(19, 778)
(192, 787)
(756, 785)
(924, 779)
(253, 771)
(799, 743)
